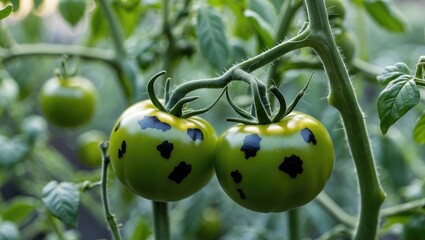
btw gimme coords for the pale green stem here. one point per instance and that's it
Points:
(161, 220)
(343, 98)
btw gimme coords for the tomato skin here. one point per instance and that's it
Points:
(259, 167)
(159, 156)
(88, 147)
(346, 43)
(335, 9)
(68, 102)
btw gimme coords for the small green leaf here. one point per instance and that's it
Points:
(265, 9)
(12, 150)
(72, 10)
(5, 12)
(419, 130)
(62, 200)
(18, 209)
(9, 231)
(263, 29)
(386, 15)
(396, 99)
(392, 72)
(212, 37)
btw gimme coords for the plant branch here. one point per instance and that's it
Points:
(293, 224)
(343, 98)
(161, 220)
(336, 211)
(44, 49)
(247, 66)
(403, 208)
(115, 29)
(110, 218)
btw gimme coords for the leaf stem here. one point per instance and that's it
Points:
(110, 217)
(343, 98)
(161, 220)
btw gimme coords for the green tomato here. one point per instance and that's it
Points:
(209, 225)
(159, 156)
(345, 42)
(335, 9)
(68, 102)
(275, 167)
(88, 147)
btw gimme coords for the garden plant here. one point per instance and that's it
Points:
(212, 119)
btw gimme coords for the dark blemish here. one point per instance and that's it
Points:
(292, 166)
(180, 172)
(308, 136)
(237, 177)
(122, 150)
(118, 126)
(241, 193)
(195, 134)
(165, 149)
(154, 122)
(251, 144)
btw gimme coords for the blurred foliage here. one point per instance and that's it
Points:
(33, 153)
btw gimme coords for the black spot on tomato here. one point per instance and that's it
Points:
(237, 177)
(122, 150)
(118, 126)
(308, 136)
(292, 166)
(251, 144)
(165, 149)
(153, 122)
(180, 172)
(241, 193)
(195, 134)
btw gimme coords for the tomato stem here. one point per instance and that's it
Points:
(293, 224)
(343, 98)
(110, 218)
(161, 220)
(151, 92)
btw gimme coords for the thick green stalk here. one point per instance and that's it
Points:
(161, 220)
(343, 98)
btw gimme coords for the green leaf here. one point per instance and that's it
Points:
(263, 29)
(9, 231)
(386, 15)
(392, 72)
(72, 10)
(98, 28)
(5, 12)
(396, 99)
(212, 39)
(62, 200)
(18, 209)
(12, 150)
(265, 9)
(419, 130)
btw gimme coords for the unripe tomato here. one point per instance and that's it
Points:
(68, 102)
(335, 9)
(88, 147)
(159, 156)
(275, 167)
(345, 42)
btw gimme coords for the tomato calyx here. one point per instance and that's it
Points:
(179, 109)
(260, 109)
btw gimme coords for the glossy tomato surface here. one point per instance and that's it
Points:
(160, 156)
(275, 167)
(68, 102)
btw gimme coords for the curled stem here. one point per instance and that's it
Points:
(110, 217)
(151, 92)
